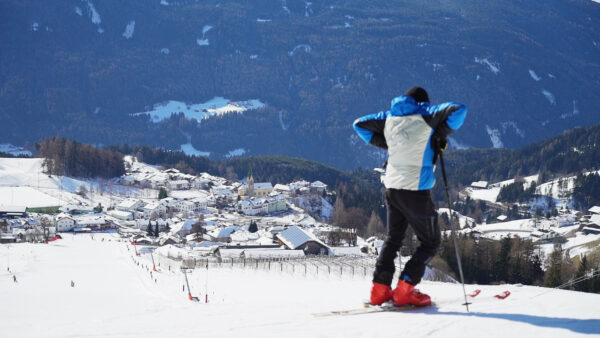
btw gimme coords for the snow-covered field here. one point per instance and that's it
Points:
(215, 106)
(113, 296)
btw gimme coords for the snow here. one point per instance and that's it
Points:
(189, 149)
(204, 41)
(491, 193)
(494, 137)
(534, 75)
(574, 112)
(13, 150)
(306, 48)
(549, 96)
(113, 296)
(216, 106)
(28, 197)
(236, 153)
(493, 66)
(128, 33)
(94, 15)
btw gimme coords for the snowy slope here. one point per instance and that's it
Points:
(115, 297)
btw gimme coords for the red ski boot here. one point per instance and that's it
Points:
(380, 293)
(406, 294)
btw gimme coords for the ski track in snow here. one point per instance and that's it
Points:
(534, 75)
(129, 29)
(549, 96)
(113, 296)
(494, 137)
(493, 66)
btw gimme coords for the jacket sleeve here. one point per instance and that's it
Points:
(446, 118)
(370, 129)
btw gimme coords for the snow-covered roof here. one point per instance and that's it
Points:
(263, 186)
(226, 232)
(595, 209)
(119, 213)
(294, 237)
(12, 209)
(152, 206)
(128, 203)
(281, 187)
(480, 184)
(63, 215)
(318, 184)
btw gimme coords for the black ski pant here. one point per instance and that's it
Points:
(406, 207)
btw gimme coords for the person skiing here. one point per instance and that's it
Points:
(413, 132)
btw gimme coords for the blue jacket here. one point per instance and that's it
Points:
(406, 132)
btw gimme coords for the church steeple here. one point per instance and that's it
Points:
(250, 183)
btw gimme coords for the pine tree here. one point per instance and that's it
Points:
(253, 227)
(584, 285)
(162, 193)
(553, 276)
(375, 226)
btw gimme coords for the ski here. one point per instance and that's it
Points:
(503, 294)
(368, 308)
(475, 293)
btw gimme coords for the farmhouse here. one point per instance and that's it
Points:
(296, 238)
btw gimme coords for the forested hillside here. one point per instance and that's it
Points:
(96, 71)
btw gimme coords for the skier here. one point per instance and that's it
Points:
(413, 132)
(15, 278)
(72, 284)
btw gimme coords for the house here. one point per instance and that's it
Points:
(296, 238)
(282, 189)
(183, 228)
(179, 184)
(154, 210)
(130, 205)
(10, 211)
(254, 206)
(318, 187)
(64, 222)
(185, 206)
(480, 185)
(122, 215)
(276, 203)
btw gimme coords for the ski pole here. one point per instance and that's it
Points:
(462, 278)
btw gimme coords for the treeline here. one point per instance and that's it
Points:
(70, 158)
(572, 152)
(587, 191)
(516, 260)
(484, 261)
(516, 192)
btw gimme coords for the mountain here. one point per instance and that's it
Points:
(298, 73)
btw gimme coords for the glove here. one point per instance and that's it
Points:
(439, 143)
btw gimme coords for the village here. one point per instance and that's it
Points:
(195, 214)
(183, 216)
